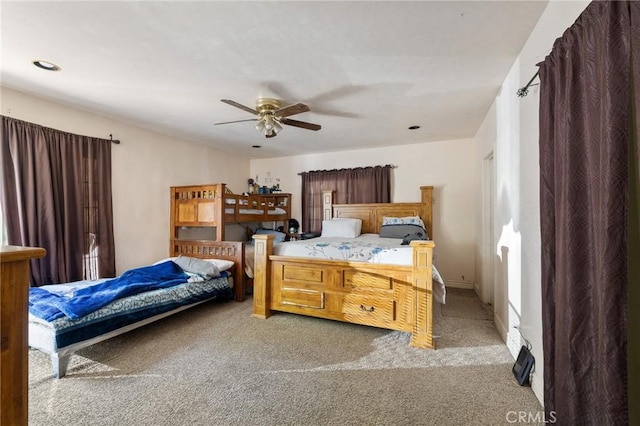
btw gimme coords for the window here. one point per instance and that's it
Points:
(350, 186)
(56, 194)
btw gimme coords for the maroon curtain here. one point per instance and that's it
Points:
(585, 130)
(56, 194)
(350, 186)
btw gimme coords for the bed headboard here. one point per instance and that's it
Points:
(230, 250)
(372, 214)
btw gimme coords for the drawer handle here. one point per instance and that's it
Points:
(362, 308)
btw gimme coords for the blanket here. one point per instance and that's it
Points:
(82, 301)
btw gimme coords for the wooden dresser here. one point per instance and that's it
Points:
(14, 361)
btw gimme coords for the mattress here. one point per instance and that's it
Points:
(62, 332)
(370, 248)
(276, 211)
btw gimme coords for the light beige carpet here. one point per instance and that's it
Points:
(216, 365)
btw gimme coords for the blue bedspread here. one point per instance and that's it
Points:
(49, 306)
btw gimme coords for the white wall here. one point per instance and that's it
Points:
(144, 166)
(510, 131)
(448, 165)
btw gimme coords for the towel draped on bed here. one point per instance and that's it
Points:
(80, 302)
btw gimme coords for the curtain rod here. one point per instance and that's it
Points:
(386, 165)
(116, 141)
(524, 91)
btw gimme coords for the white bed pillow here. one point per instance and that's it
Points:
(341, 227)
(197, 266)
(222, 264)
(357, 224)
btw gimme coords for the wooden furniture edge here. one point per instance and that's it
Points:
(327, 204)
(426, 199)
(422, 282)
(262, 275)
(14, 331)
(16, 253)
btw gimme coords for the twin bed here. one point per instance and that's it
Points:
(366, 280)
(59, 325)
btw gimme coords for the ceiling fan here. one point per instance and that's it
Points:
(271, 115)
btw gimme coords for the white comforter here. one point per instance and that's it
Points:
(365, 248)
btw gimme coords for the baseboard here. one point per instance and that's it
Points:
(459, 284)
(537, 385)
(501, 328)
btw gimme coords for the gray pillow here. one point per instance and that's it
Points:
(402, 231)
(197, 266)
(415, 236)
(279, 236)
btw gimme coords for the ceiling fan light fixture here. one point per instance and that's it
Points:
(271, 116)
(268, 122)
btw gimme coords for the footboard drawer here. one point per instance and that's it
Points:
(369, 310)
(304, 298)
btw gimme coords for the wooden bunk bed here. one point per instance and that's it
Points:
(213, 206)
(397, 297)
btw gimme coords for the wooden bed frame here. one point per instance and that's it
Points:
(387, 296)
(60, 357)
(206, 206)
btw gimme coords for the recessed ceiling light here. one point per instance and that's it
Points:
(46, 65)
(256, 146)
(414, 127)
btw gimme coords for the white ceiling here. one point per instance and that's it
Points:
(368, 70)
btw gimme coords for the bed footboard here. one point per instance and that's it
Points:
(387, 296)
(422, 280)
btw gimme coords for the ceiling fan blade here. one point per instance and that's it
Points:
(236, 121)
(302, 124)
(237, 105)
(291, 110)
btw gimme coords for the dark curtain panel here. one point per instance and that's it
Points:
(350, 186)
(633, 321)
(585, 127)
(56, 194)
